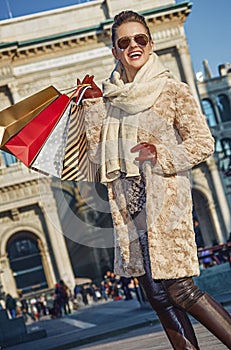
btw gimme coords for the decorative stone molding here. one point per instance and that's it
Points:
(166, 34)
(5, 71)
(18, 191)
(84, 39)
(15, 214)
(61, 61)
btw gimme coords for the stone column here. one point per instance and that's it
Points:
(223, 204)
(56, 235)
(8, 281)
(187, 68)
(14, 92)
(217, 226)
(47, 265)
(207, 207)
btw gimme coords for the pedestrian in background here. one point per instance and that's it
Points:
(64, 295)
(125, 287)
(11, 305)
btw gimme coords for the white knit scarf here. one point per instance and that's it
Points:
(126, 101)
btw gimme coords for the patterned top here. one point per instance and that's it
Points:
(134, 190)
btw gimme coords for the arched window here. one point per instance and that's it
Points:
(208, 110)
(26, 262)
(8, 158)
(203, 215)
(223, 105)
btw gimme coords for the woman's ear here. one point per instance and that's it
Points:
(114, 53)
(152, 47)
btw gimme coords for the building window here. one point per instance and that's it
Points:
(226, 161)
(223, 105)
(208, 110)
(26, 262)
(8, 158)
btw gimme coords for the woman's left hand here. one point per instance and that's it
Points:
(94, 91)
(147, 151)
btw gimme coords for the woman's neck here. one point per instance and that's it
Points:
(128, 75)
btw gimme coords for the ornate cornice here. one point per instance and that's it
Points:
(18, 190)
(53, 44)
(81, 39)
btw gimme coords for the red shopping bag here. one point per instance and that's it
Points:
(26, 144)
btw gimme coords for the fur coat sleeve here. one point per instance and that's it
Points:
(194, 141)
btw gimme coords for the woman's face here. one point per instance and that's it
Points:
(135, 55)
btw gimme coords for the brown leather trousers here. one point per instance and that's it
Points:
(175, 322)
(172, 299)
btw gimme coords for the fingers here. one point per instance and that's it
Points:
(143, 157)
(147, 152)
(85, 79)
(88, 79)
(139, 147)
(94, 92)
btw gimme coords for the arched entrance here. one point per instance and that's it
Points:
(203, 215)
(26, 262)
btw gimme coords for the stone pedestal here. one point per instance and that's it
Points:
(14, 331)
(215, 280)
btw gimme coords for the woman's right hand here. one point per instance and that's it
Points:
(94, 91)
(147, 151)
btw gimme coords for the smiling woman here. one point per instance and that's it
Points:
(15, 8)
(145, 133)
(132, 47)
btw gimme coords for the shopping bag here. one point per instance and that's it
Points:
(67, 136)
(76, 164)
(14, 118)
(49, 160)
(26, 144)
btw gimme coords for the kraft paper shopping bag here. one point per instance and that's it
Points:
(14, 118)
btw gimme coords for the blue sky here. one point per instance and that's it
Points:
(208, 27)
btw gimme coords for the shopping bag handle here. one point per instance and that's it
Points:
(80, 90)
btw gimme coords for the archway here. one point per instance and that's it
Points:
(203, 215)
(26, 262)
(209, 111)
(223, 104)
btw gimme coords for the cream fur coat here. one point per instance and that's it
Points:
(182, 138)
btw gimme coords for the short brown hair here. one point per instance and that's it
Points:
(126, 17)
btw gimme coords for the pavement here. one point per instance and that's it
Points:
(98, 321)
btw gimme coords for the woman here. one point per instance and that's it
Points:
(146, 132)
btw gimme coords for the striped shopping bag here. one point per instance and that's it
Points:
(76, 164)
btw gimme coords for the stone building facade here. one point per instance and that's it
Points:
(215, 96)
(54, 48)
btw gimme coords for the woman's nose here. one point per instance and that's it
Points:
(132, 42)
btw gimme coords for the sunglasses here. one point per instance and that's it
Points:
(140, 39)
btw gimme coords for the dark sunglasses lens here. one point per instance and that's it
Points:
(141, 39)
(123, 42)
